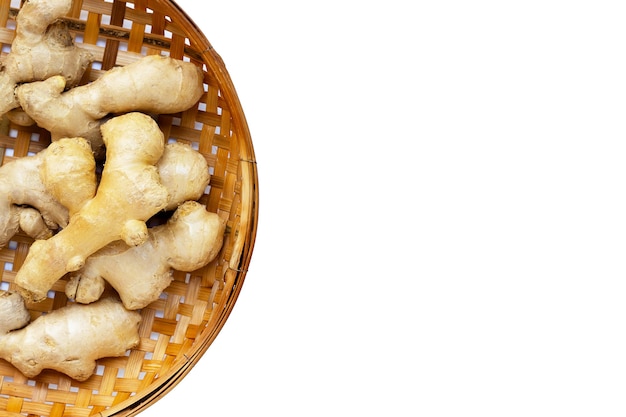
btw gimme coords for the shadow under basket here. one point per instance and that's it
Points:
(177, 329)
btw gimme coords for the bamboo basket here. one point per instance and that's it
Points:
(177, 329)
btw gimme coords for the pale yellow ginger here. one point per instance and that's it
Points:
(184, 172)
(129, 193)
(13, 312)
(154, 84)
(26, 202)
(19, 117)
(71, 339)
(68, 172)
(42, 47)
(33, 224)
(188, 241)
(21, 190)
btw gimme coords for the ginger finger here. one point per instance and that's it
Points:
(13, 312)
(68, 172)
(33, 224)
(20, 184)
(19, 117)
(184, 172)
(22, 187)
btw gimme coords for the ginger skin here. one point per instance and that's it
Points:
(184, 172)
(13, 312)
(154, 84)
(22, 188)
(42, 47)
(188, 241)
(68, 172)
(72, 338)
(20, 185)
(32, 223)
(129, 194)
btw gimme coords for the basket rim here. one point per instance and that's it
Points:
(238, 266)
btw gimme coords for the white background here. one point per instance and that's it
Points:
(442, 210)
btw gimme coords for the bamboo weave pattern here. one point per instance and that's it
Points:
(178, 328)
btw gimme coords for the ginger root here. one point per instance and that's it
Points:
(153, 84)
(129, 193)
(42, 47)
(20, 187)
(72, 338)
(33, 224)
(68, 172)
(190, 239)
(13, 312)
(25, 199)
(184, 172)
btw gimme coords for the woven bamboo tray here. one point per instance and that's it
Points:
(178, 328)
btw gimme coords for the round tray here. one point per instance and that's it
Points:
(177, 329)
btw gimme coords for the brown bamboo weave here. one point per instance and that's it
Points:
(178, 328)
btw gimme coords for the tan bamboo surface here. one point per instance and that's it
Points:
(177, 329)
